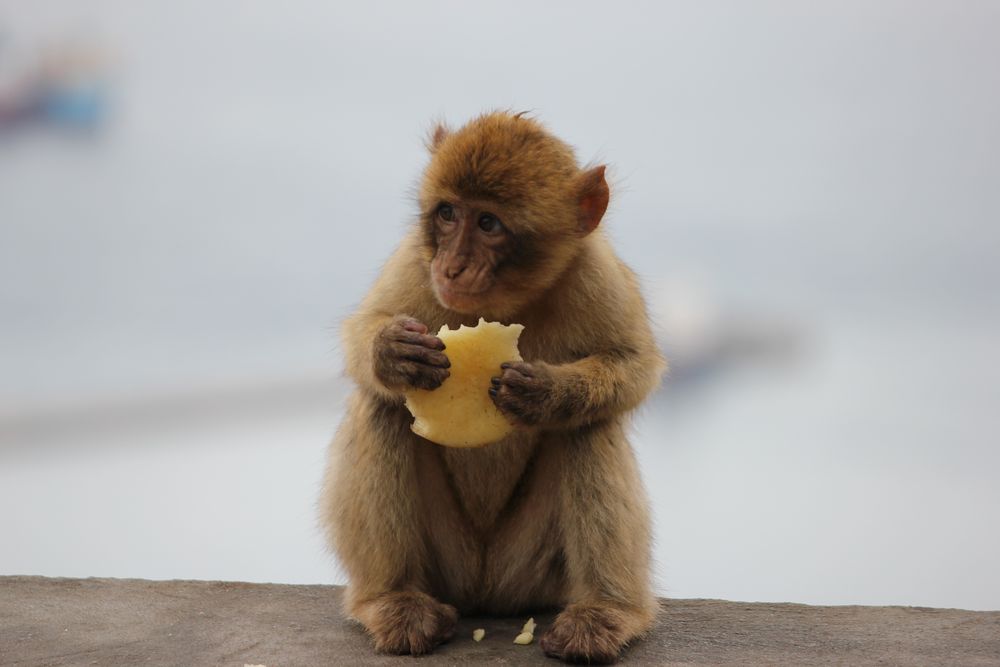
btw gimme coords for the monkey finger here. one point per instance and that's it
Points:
(437, 378)
(411, 324)
(424, 340)
(414, 369)
(428, 382)
(422, 376)
(521, 367)
(423, 355)
(502, 399)
(514, 378)
(512, 405)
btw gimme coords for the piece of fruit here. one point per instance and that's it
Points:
(460, 412)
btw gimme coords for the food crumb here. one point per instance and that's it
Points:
(530, 626)
(524, 638)
(478, 634)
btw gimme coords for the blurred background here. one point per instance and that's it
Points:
(193, 195)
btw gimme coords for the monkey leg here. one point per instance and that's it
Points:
(371, 512)
(606, 532)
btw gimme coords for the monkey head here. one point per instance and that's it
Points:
(504, 209)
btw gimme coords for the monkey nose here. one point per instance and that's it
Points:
(454, 271)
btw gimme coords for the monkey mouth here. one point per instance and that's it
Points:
(459, 300)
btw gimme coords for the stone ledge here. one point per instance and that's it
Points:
(110, 622)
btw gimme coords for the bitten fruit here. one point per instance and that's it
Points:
(460, 413)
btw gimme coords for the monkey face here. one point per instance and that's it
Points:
(504, 210)
(482, 265)
(472, 243)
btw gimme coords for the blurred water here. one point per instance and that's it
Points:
(832, 167)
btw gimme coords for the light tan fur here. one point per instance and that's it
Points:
(553, 516)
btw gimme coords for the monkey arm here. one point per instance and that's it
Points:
(602, 385)
(591, 389)
(610, 359)
(360, 333)
(362, 336)
(391, 354)
(386, 346)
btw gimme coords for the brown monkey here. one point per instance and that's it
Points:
(553, 515)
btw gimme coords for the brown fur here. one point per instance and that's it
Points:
(553, 515)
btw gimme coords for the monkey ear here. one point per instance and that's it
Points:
(593, 199)
(436, 136)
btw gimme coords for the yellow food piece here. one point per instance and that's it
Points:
(530, 626)
(460, 413)
(478, 634)
(524, 638)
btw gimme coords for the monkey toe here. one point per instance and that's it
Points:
(410, 623)
(587, 634)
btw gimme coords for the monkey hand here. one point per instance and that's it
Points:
(407, 356)
(525, 392)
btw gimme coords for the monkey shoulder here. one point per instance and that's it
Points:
(403, 285)
(597, 309)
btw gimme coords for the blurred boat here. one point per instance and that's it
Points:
(65, 88)
(701, 338)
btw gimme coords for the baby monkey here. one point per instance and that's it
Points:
(554, 515)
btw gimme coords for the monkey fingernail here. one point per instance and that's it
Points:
(431, 342)
(492, 391)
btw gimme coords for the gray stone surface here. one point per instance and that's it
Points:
(112, 622)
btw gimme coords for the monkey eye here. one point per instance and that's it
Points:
(489, 223)
(446, 212)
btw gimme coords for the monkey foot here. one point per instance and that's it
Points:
(407, 622)
(590, 633)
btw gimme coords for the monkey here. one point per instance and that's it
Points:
(555, 515)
